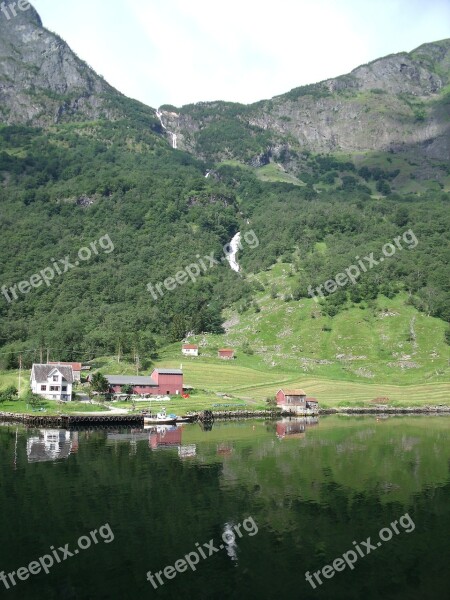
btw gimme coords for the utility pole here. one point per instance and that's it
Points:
(48, 354)
(20, 371)
(41, 354)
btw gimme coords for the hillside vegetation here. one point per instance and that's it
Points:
(82, 167)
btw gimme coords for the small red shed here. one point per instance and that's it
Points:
(226, 353)
(295, 397)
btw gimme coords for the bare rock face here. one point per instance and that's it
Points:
(41, 80)
(397, 102)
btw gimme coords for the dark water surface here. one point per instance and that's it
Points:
(301, 494)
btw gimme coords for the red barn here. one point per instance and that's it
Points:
(161, 382)
(169, 381)
(294, 397)
(295, 401)
(226, 353)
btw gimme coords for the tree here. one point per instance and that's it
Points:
(99, 383)
(447, 336)
(9, 394)
(128, 390)
(34, 399)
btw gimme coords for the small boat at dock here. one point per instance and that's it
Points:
(162, 418)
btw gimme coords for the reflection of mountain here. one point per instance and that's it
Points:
(52, 444)
(294, 428)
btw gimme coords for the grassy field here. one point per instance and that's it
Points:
(387, 351)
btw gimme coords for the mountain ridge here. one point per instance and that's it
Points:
(398, 104)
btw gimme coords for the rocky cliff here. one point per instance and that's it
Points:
(397, 103)
(42, 82)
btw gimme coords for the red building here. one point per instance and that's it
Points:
(295, 401)
(161, 382)
(226, 353)
(295, 397)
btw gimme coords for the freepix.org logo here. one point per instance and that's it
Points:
(9, 9)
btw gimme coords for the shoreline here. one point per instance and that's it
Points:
(385, 409)
(65, 421)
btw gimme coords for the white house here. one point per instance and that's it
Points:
(189, 350)
(76, 368)
(53, 382)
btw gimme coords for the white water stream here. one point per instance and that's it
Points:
(231, 257)
(173, 135)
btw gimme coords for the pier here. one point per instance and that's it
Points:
(68, 421)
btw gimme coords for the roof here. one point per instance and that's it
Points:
(190, 347)
(40, 373)
(226, 350)
(293, 392)
(130, 380)
(76, 366)
(169, 371)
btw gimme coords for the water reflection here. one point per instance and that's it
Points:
(294, 427)
(158, 437)
(51, 444)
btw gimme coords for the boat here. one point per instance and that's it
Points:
(163, 418)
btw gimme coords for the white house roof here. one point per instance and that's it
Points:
(41, 373)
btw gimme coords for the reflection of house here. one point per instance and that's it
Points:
(187, 451)
(53, 382)
(76, 368)
(224, 449)
(226, 353)
(164, 436)
(296, 401)
(160, 382)
(294, 428)
(189, 349)
(52, 444)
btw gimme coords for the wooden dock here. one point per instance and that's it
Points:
(68, 421)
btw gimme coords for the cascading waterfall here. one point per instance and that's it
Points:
(172, 135)
(234, 248)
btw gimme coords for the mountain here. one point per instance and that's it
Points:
(43, 82)
(90, 183)
(398, 104)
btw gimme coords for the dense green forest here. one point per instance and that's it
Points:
(322, 233)
(67, 187)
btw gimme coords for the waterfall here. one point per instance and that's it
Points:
(234, 245)
(173, 135)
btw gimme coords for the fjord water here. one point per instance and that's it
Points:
(312, 489)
